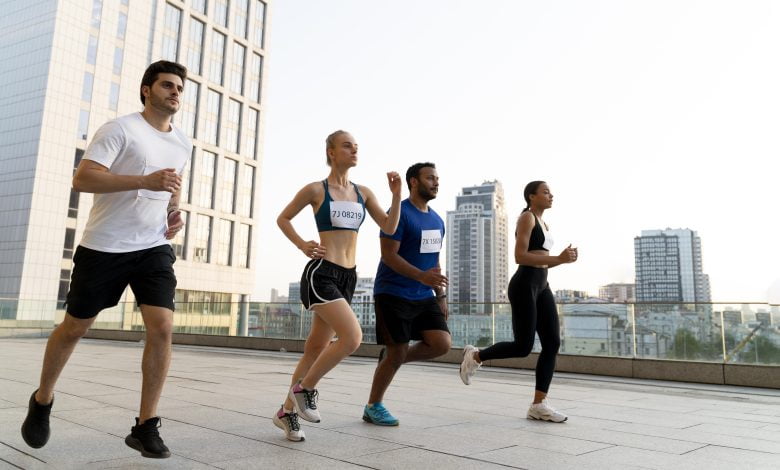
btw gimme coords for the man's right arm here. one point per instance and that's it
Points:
(92, 177)
(432, 277)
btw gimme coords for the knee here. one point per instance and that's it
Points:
(160, 331)
(351, 342)
(74, 331)
(314, 348)
(551, 345)
(396, 356)
(442, 346)
(524, 349)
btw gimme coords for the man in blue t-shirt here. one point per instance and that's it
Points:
(409, 296)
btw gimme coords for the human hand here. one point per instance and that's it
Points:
(162, 180)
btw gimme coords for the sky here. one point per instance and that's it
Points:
(639, 115)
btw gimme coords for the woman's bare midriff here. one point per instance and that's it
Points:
(538, 252)
(340, 247)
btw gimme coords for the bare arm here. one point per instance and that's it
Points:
(394, 261)
(387, 221)
(525, 225)
(92, 177)
(308, 195)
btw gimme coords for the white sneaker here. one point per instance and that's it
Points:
(469, 365)
(545, 412)
(305, 402)
(288, 422)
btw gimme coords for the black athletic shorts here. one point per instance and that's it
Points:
(323, 282)
(99, 278)
(405, 320)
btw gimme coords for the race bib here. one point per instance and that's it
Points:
(346, 214)
(430, 241)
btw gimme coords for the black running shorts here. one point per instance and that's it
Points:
(99, 278)
(399, 320)
(323, 282)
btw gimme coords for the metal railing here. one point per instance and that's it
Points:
(746, 333)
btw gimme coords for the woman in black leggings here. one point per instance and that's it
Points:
(533, 304)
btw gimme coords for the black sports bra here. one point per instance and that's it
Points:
(540, 238)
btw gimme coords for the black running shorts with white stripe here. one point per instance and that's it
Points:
(324, 282)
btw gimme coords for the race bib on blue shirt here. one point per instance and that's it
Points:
(430, 241)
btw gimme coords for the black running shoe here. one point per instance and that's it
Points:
(146, 439)
(35, 429)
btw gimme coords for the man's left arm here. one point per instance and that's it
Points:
(175, 222)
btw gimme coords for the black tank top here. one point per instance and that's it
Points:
(536, 242)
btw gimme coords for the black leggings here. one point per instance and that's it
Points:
(533, 311)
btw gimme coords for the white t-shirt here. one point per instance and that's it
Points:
(132, 220)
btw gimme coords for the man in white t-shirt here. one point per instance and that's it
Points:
(133, 167)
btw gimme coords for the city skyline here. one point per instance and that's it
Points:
(632, 129)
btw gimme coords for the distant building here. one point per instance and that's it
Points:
(669, 267)
(618, 292)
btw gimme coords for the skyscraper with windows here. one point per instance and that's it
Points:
(669, 267)
(477, 254)
(70, 66)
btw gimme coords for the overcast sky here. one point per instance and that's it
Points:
(640, 115)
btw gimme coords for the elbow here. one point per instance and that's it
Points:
(77, 183)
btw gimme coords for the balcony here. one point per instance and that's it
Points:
(217, 403)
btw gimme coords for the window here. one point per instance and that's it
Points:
(240, 17)
(70, 240)
(73, 204)
(119, 54)
(211, 119)
(97, 7)
(86, 89)
(246, 192)
(202, 236)
(205, 179)
(170, 36)
(195, 46)
(242, 246)
(83, 124)
(249, 139)
(228, 186)
(232, 125)
(217, 57)
(189, 108)
(255, 73)
(199, 6)
(113, 96)
(237, 68)
(221, 12)
(92, 49)
(223, 242)
(259, 23)
(121, 27)
(179, 241)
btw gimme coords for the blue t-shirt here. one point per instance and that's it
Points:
(421, 235)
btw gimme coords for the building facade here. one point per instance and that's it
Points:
(477, 253)
(72, 65)
(618, 292)
(669, 267)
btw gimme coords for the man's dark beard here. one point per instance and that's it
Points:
(425, 194)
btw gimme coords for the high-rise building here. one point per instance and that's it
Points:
(72, 65)
(618, 292)
(669, 267)
(477, 253)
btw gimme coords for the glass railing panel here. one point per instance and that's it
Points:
(751, 333)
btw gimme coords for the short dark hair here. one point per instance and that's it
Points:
(414, 172)
(155, 69)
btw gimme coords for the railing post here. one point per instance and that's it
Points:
(633, 329)
(723, 336)
(243, 317)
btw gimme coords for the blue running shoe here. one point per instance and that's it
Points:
(378, 414)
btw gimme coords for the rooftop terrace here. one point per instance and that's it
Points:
(217, 404)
